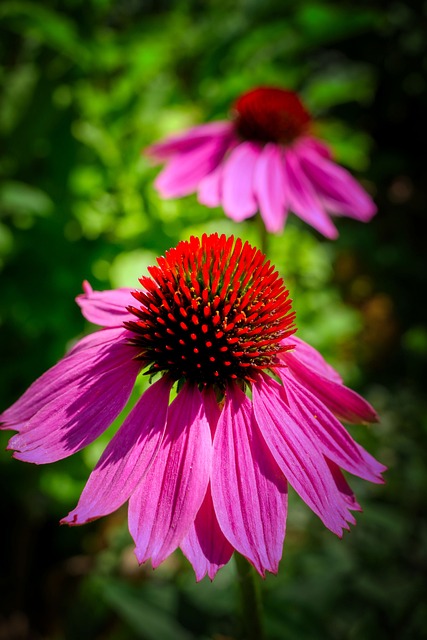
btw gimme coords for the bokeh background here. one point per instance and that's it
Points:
(87, 84)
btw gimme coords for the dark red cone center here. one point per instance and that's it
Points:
(268, 114)
(213, 310)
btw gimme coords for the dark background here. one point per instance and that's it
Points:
(85, 85)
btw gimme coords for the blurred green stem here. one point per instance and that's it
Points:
(250, 600)
(263, 234)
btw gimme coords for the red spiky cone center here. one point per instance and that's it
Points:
(268, 114)
(213, 310)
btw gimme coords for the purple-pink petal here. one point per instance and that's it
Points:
(183, 173)
(238, 197)
(67, 371)
(166, 501)
(297, 456)
(270, 187)
(189, 140)
(249, 492)
(105, 308)
(76, 402)
(303, 200)
(344, 403)
(333, 439)
(205, 545)
(336, 186)
(127, 457)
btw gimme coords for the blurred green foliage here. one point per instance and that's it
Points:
(85, 86)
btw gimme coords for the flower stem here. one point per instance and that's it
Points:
(263, 235)
(250, 600)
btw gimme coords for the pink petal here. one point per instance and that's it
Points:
(205, 546)
(315, 145)
(270, 187)
(189, 140)
(310, 357)
(209, 189)
(340, 191)
(165, 503)
(302, 198)
(342, 401)
(297, 456)
(127, 457)
(238, 198)
(249, 493)
(67, 371)
(91, 388)
(343, 487)
(320, 425)
(105, 308)
(185, 170)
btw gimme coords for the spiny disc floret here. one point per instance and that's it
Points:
(213, 310)
(270, 114)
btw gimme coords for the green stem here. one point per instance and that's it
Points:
(263, 234)
(250, 600)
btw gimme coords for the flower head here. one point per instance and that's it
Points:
(255, 408)
(264, 159)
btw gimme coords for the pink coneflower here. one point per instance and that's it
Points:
(265, 159)
(255, 408)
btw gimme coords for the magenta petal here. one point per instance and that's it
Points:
(303, 200)
(337, 186)
(165, 503)
(205, 545)
(333, 439)
(127, 457)
(105, 308)
(249, 492)
(189, 140)
(209, 189)
(342, 401)
(52, 383)
(270, 187)
(183, 173)
(91, 388)
(238, 198)
(298, 457)
(343, 487)
(309, 357)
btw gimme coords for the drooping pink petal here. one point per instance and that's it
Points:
(165, 503)
(127, 457)
(298, 457)
(189, 140)
(249, 492)
(344, 403)
(337, 187)
(343, 487)
(66, 372)
(205, 546)
(318, 423)
(302, 197)
(238, 197)
(315, 145)
(270, 187)
(184, 171)
(209, 189)
(310, 357)
(91, 388)
(105, 308)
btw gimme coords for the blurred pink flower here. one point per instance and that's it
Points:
(255, 408)
(265, 159)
